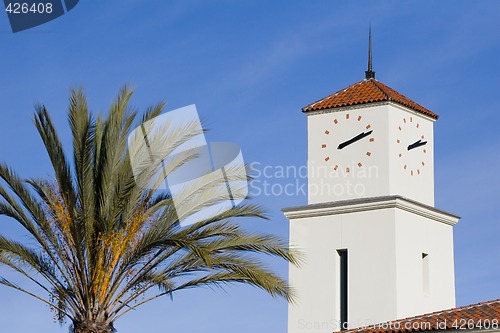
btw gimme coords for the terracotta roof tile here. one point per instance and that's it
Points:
(484, 316)
(363, 92)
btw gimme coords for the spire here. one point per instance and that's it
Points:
(370, 74)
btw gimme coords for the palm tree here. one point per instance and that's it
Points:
(102, 243)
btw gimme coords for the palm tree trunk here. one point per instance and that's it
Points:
(92, 327)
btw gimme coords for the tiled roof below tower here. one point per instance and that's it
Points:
(482, 316)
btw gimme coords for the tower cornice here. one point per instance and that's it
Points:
(367, 204)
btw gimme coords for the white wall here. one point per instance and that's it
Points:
(382, 173)
(372, 179)
(364, 209)
(384, 263)
(420, 185)
(416, 235)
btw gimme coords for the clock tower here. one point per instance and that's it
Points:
(375, 247)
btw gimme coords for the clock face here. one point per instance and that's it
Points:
(412, 146)
(348, 139)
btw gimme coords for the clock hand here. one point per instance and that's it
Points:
(356, 138)
(417, 144)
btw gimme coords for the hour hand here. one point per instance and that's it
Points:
(416, 144)
(356, 138)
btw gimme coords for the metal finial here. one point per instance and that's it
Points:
(370, 74)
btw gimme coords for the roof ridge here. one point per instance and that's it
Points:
(375, 83)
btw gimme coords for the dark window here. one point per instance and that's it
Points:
(343, 288)
(425, 272)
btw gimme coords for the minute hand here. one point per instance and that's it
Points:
(417, 144)
(356, 138)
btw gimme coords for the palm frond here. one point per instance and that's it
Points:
(105, 238)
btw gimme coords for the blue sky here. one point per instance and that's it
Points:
(249, 66)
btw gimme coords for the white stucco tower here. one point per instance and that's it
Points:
(376, 249)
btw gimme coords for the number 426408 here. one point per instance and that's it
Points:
(25, 8)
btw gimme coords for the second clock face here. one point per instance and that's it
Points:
(348, 139)
(412, 146)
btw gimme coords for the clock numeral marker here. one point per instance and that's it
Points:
(411, 119)
(418, 171)
(359, 118)
(323, 146)
(398, 141)
(327, 132)
(368, 126)
(347, 170)
(400, 155)
(423, 164)
(418, 125)
(422, 136)
(404, 120)
(327, 159)
(360, 165)
(412, 172)
(399, 127)
(347, 116)
(372, 139)
(368, 153)
(425, 151)
(405, 167)
(336, 167)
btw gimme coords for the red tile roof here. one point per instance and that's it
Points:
(484, 316)
(363, 92)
